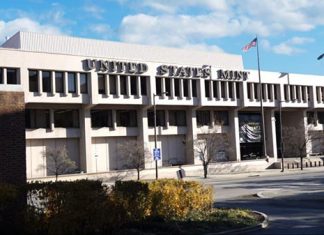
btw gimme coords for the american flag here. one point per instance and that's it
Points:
(253, 43)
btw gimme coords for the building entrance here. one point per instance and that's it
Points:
(250, 135)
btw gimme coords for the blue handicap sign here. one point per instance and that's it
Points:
(157, 154)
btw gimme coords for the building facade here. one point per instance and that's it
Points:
(91, 96)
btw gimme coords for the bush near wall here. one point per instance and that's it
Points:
(87, 207)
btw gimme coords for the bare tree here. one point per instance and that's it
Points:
(297, 141)
(208, 145)
(134, 155)
(58, 161)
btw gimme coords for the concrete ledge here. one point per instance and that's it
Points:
(264, 224)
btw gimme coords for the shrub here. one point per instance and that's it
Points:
(133, 198)
(176, 200)
(80, 207)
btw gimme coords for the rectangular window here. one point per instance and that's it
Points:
(303, 90)
(276, 91)
(12, 76)
(101, 118)
(71, 82)
(158, 85)
(177, 118)
(185, 87)
(59, 82)
(215, 86)
(160, 118)
(177, 87)
(207, 84)
(256, 91)
(123, 84)
(133, 85)
(101, 83)
(143, 86)
(249, 90)
(112, 84)
(47, 81)
(168, 86)
(230, 90)
(126, 118)
(320, 117)
(310, 118)
(309, 92)
(269, 91)
(221, 118)
(238, 93)
(84, 83)
(37, 118)
(203, 118)
(291, 92)
(194, 87)
(286, 92)
(67, 118)
(223, 88)
(263, 86)
(1, 76)
(33, 80)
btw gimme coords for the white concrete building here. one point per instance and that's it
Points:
(91, 95)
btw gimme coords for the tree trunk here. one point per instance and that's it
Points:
(205, 170)
(301, 163)
(138, 174)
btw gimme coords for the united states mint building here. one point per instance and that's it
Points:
(91, 95)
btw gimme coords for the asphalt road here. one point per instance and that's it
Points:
(294, 201)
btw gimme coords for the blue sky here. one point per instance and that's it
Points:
(290, 32)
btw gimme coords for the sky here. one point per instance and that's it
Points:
(290, 32)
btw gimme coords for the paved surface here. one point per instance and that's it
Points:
(293, 200)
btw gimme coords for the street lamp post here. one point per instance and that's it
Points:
(281, 141)
(155, 135)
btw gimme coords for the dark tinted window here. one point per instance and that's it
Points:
(203, 118)
(12, 76)
(67, 118)
(126, 118)
(33, 80)
(37, 118)
(71, 82)
(83, 83)
(177, 118)
(59, 82)
(102, 83)
(160, 118)
(101, 118)
(47, 82)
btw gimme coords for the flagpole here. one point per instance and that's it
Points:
(261, 103)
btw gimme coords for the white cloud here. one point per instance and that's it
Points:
(289, 47)
(9, 28)
(103, 31)
(94, 10)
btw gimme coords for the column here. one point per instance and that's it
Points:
(117, 86)
(85, 144)
(218, 87)
(138, 86)
(181, 88)
(234, 90)
(190, 88)
(65, 83)
(234, 150)
(163, 87)
(40, 81)
(211, 93)
(253, 96)
(305, 93)
(226, 90)
(172, 87)
(128, 86)
(77, 84)
(191, 137)
(4, 71)
(53, 88)
(271, 137)
(272, 89)
(143, 136)
(107, 88)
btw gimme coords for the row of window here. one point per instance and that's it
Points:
(294, 92)
(11, 75)
(69, 118)
(108, 84)
(58, 79)
(314, 117)
(269, 91)
(181, 86)
(222, 89)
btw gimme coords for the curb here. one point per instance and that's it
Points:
(264, 224)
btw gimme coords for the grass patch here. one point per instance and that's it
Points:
(216, 220)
